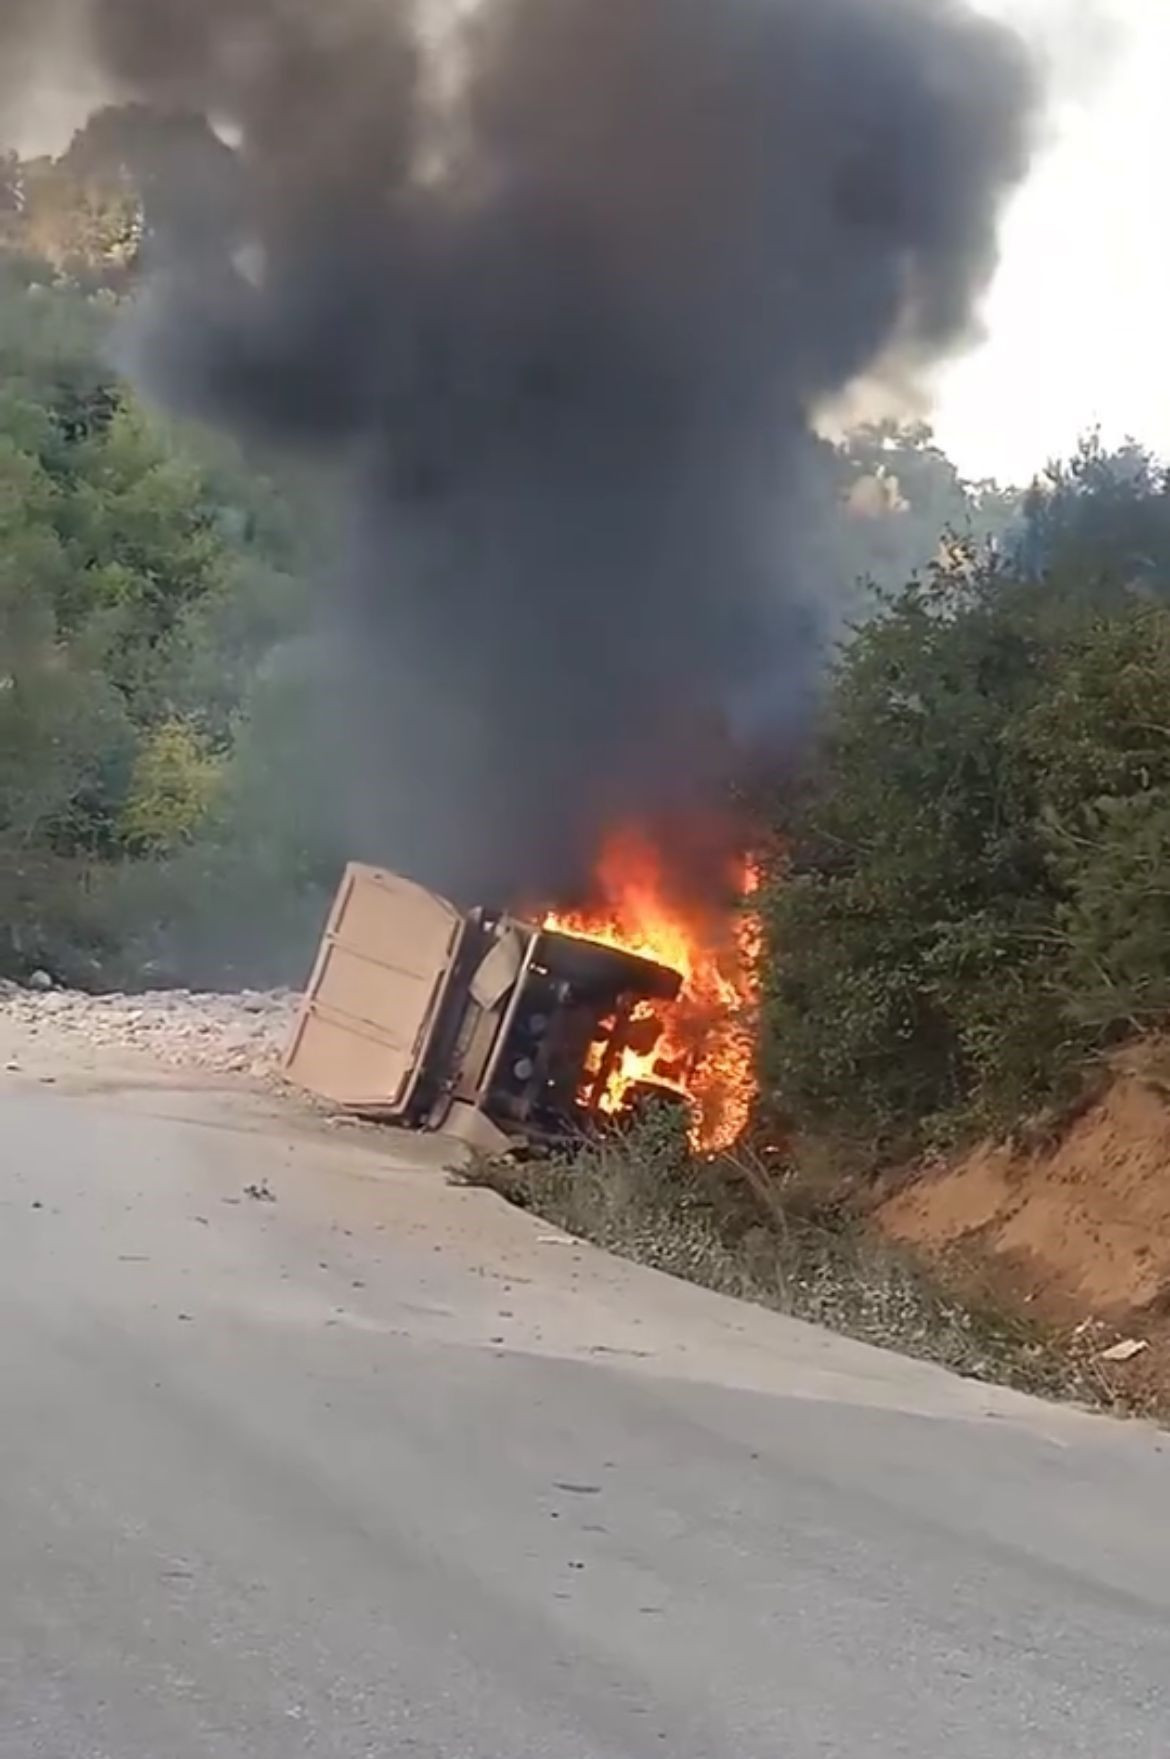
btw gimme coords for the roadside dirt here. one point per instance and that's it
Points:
(1076, 1234)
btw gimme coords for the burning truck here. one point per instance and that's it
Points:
(495, 1029)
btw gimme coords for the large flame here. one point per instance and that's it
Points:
(706, 1047)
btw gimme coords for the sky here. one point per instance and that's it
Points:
(1078, 319)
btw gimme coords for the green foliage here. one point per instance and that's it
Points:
(972, 893)
(151, 578)
(1101, 738)
(145, 572)
(172, 786)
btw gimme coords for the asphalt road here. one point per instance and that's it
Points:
(380, 1469)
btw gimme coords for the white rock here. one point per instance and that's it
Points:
(1126, 1350)
(226, 1033)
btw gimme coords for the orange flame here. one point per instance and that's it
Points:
(706, 1046)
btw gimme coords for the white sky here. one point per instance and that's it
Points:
(1078, 321)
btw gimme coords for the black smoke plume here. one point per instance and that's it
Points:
(555, 288)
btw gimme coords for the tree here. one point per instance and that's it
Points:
(1100, 738)
(172, 786)
(902, 496)
(144, 572)
(971, 895)
(914, 875)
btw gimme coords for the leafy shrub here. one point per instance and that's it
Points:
(971, 897)
(172, 787)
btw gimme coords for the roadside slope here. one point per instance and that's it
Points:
(1076, 1233)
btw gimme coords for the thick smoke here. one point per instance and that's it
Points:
(555, 289)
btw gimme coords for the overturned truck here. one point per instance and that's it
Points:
(471, 1022)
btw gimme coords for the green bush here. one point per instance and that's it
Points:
(146, 571)
(971, 897)
(172, 787)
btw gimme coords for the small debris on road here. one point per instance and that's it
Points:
(260, 1193)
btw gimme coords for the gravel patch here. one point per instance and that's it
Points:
(244, 1033)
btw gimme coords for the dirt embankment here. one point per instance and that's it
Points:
(1075, 1234)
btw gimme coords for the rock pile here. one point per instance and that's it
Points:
(245, 1033)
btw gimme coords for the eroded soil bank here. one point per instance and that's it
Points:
(1075, 1234)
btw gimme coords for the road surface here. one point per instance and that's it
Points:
(380, 1468)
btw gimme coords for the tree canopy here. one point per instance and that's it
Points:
(144, 572)
(968, 896)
